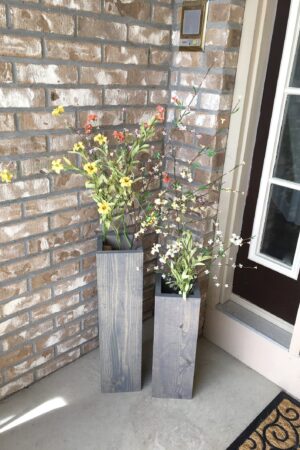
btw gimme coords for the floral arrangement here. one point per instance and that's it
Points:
(116, 173)
(120, 176)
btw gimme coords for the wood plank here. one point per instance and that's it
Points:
(120, 297)
(175, 341)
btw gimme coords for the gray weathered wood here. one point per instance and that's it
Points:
(175, 341)
(120, 297)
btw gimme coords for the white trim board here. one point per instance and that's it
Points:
(259, 352)
(268, 180)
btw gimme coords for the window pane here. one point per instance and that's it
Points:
(295, 77)
(282, 226)
(287, 164)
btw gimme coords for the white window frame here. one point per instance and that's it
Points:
(267, 179)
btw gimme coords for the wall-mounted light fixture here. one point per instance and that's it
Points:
(193, 25)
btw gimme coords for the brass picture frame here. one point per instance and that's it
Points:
(193, 25)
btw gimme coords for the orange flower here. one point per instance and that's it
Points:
(88, 128)
(91, 117)
(119, 135)
(166, 177)
(160, 115)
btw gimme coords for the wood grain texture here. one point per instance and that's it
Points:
(120, 297)
(175, 341)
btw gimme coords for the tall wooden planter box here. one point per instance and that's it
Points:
(120, 298)
(175, 341)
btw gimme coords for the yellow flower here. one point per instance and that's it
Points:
(126, 182)
(152, 219)
(101, 139)
(58, 111)
(90, 168)
(104, 208)
(78, 146)
(57, 166)
(6, 176)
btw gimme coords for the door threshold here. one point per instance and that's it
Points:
(256, 322)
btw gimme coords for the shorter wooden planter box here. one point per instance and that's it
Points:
(175, 341)
(120, 298)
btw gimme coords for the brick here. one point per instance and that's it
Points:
(159, 96)
(21, 146)
(2, 16)
(46, 74)
(147, 35)
(220, 37)
(160, 57)
(74, 251)
(58, 336)
(68, 181)
(215, 102)
(53, 275)
(9, 342)
(11, 251)
(89, 292)
(211, 81)
(85, 5)
(42, 21)
(22, 189)
(75, 313)
(25, 302)
(103, 76)
(21, 98)
(222, 58)
(23, 229)
(89, 346)
(101, 29)
(10, 212)
(75, 341)
(208, 120)
(104, 117)
(62, 143)
(12, 290)
(81, 51)
(16, 385)
(125, 55)
(189, 59)
(57, 363)
(74, 283)
(76, 97)
(125, 96)
(56, 306)
(53, 240)
(90, 230)
(50, 204)
(21, 47)
(90, 320)
(162, 14)
(134, 116)
(5, 72)
(89, 263)
(6, 120)
(68, 218)
(29, 364)
(135, 9)
(147, 77)
(21, 268)
(226, 13)
(14, 323)
(45, 121)
(85, 197)
(35, 166)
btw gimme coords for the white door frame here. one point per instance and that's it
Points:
(280, 365)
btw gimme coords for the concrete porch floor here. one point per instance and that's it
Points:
(66, 410)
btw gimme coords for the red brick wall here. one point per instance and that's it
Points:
(113, 58)
(108, 57)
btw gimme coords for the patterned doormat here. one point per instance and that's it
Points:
(276, 428)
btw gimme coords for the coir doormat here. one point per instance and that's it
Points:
(276, 428)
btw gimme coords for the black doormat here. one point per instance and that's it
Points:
(276, 428)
